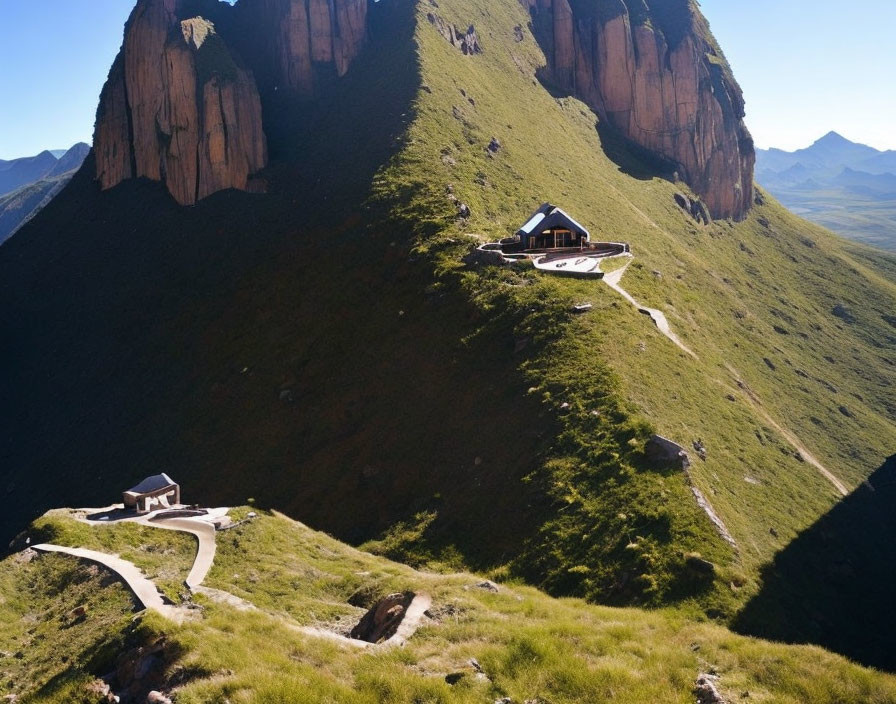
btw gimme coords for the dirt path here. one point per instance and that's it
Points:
(142, 588)
(205, 552)
(613, 280)
(219, 596)
(200, 528)
(756, 403)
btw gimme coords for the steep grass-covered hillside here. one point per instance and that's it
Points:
(324, 350)
(278, 589)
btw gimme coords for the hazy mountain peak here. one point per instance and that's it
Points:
(832, 137)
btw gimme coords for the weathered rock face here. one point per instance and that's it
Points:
(178, 108)
(181, 107)
(307, 38)
(381, 622)
(652, 70)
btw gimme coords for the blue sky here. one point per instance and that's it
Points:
(811, 66)
(805, 67)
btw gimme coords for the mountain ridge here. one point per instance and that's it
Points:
(820, 183)
(268, 344)
(22, 203)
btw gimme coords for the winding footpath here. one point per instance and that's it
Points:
(204, 533)
(794, 441)
(149, 597)
(613, 280)
(142, 588)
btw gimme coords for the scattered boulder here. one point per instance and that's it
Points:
(156, 697)
(758, 198)
(494, 146)
(383, 620)
(487, 586)
(26, 556)
(700, 449)
(486, 257)
(454, 678)
(518, 35)
(463, 211)
(660, 450)
(101, 692)
(693, 207)
(142, 669)
(707, 690)
(467, 42)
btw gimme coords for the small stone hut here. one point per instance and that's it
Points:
(550, 228)
(159, 491)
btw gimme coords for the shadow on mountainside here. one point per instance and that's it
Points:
(833, 585)
(282, 347)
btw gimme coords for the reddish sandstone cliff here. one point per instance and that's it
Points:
(305, 38)
(179, 105)
(178, 108)
(654, 73)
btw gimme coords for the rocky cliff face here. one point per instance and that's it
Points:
(652, 70)
(305, 39)
(180, 106)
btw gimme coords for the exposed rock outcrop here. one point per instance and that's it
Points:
(693, 207)
(652, 70)
(707, 691)
(305, 39)
(178, 107)
(382, 621)
(467, 42)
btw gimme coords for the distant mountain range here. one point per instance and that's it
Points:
(29, 183)
(848, 187)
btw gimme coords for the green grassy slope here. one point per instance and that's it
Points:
(798, 316)
(323, 349)
(529, 646)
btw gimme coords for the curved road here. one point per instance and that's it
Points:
(142, 588)
(205, 552)
(613, 280)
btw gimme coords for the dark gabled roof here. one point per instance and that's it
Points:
(548, 217)
(151, 484)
